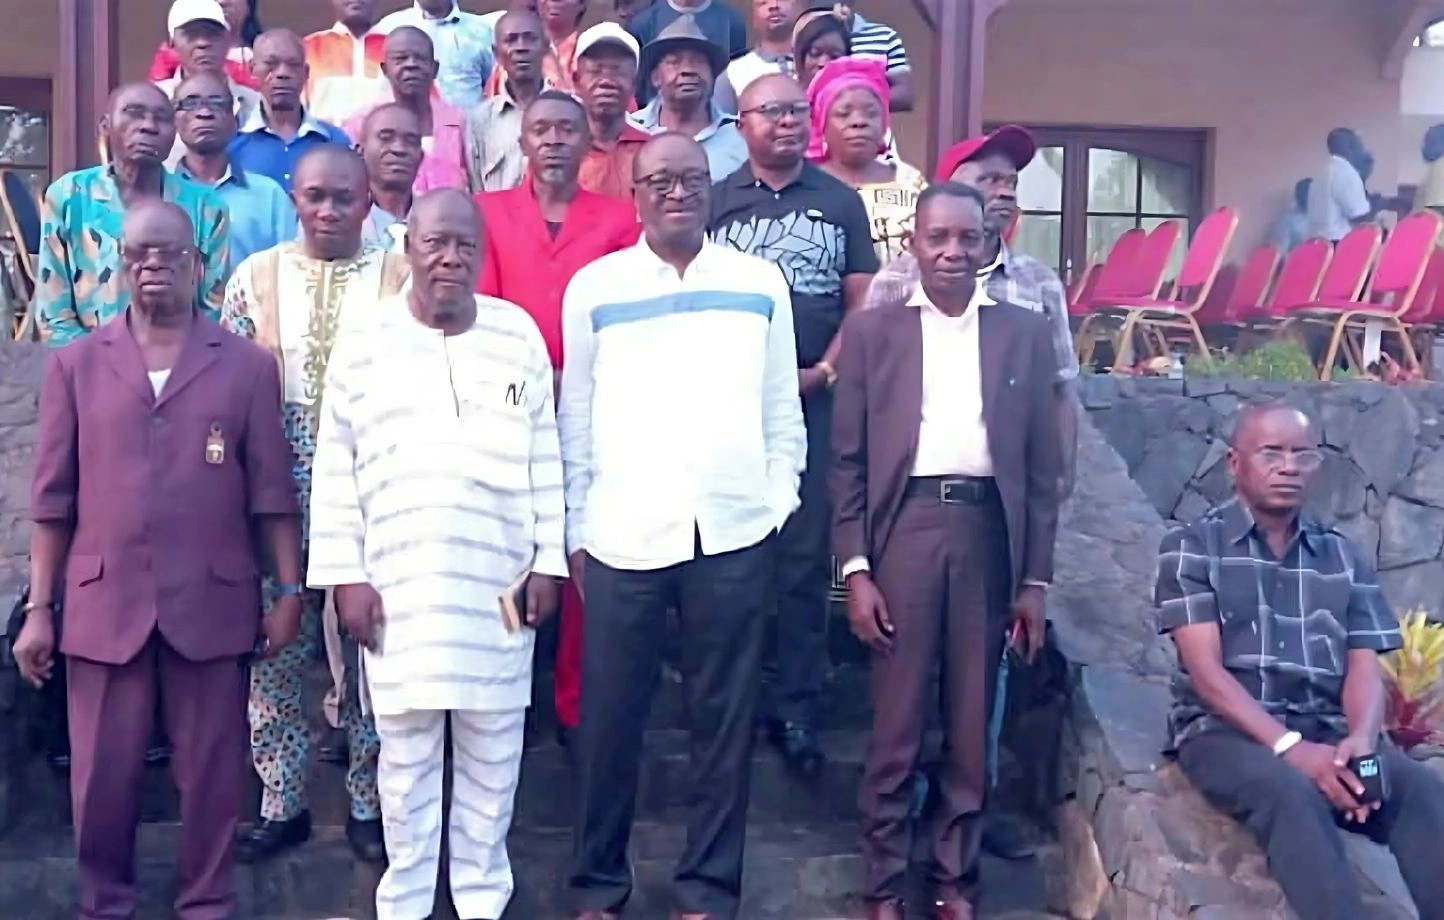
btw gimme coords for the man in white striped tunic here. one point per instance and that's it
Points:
(437, 483)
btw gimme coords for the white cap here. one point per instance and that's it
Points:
(608, 33)
(187, 11)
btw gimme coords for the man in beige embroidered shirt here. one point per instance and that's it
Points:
(494, 161)
(945, 498)
(292, 300)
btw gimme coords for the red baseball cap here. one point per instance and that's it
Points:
(1015, 143)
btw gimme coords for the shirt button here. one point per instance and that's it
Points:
(157, 421)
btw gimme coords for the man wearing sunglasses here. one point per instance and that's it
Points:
(783, 209)
(205, 121)
(1279, 623)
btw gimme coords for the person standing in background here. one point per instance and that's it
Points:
(772, 22)
(625, 12)
(607, 59)
(1292, 227)
(562, 22)
(682, 65)
(81, 284)
(345, 62)
(391, 147)
(819, 38)
(261, 213)
(492, 136)
(551, 220)
(243, 27)
(1430, 193)
(1338, 200)
(291, 300)
(461, 44)
(782, 209)
(279, 131)
(723, 26)
(411, 67)
(200, 38)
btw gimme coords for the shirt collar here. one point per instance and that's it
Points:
(109, 189)
(451, 17)
(1238, 523)
(233, 174)
(654, 262)
(649, 118)
(310, 124)
(745, 177)
(980, 298)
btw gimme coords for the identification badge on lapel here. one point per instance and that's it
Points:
(215, 445)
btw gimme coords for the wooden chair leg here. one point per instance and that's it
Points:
(1411, 357)
(1123, 347)
(1203, 353)
(1331, 356)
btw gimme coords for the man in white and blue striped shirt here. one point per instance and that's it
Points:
(682, 443)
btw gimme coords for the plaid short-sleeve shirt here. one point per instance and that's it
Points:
(1286, 625)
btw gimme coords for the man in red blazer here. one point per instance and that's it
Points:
(944, 485)
(160, 462)
(539, 235)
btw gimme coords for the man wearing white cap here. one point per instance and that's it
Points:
(201, 39)
(606, 73)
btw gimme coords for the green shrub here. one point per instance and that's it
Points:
(1280, 361)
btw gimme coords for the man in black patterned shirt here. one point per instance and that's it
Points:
(1279, 623)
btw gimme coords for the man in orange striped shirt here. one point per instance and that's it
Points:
(345, 62)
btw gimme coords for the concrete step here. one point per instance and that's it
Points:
(792, 873)
(544, 798)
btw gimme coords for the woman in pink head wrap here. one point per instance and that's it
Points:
(849, 99)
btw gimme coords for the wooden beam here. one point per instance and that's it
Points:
(959, 49)
(89, 35)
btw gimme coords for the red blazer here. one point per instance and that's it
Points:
(523, 264)
(162, 538)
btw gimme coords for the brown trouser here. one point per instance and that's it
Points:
(945, 578)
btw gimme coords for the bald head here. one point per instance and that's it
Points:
(139, 124)
(157, 245)
(332, 160)
(673, 191)
(332, 200)
(775, 121)
(205, 113)
(279, 66)
(1274, 458)
(1256, 421)
(443, 245)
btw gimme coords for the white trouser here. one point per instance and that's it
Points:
(486, 750)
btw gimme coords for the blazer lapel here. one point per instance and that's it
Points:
(124, 357)
(908, 342)
(994, 345)
(199, 352)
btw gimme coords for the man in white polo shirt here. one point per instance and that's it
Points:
(1338, 199)
(682, 442)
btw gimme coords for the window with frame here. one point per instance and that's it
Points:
(1088, 186)
(25, 113)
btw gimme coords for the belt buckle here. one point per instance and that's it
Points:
(950, 492)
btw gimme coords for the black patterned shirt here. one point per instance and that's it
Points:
(1286, 625)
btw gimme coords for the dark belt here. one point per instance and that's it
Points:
(954, 490)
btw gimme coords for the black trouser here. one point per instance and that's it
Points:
(796, 664)
(722, 603)
(1295, 824)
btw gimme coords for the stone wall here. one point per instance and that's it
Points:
(1383, 477)
(1138, 842)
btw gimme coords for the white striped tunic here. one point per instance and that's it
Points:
(437, 480)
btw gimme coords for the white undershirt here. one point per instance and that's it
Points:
(157, 380)
(952, 439)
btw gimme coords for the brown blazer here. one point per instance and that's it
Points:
(162, 538)
(878, 406)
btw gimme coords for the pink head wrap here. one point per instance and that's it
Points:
(832, 81)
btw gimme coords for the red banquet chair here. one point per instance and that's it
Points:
(1153, 258)
(1344, 279)
(1081, 290)
(1247, 301)
(1155, 318)
(1112, 279)
(1299, 278)
(1398, 277)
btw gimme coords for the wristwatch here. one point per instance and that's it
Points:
(1286, 743)
(285, 590)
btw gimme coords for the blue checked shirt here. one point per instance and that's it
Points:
(1286, 625)
(462, 43)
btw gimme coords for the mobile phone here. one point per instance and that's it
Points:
(1370, 771)
(1015, 643)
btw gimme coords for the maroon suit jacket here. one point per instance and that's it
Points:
(522, 263)
(878, 405)
(161, 538)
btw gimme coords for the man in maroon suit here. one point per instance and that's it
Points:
(944, 483)
(554, 227)
(159, 464)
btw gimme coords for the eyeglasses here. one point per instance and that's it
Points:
(1306, 459)
(135, 254)
(661, 183)
(217, 104)
(773, 111)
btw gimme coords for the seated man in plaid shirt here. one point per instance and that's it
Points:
(1279, 624)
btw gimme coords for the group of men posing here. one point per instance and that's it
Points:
(647, 404)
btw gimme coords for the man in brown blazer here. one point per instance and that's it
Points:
(946, 460)
(159, 464)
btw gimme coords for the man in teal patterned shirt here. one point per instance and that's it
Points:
(80, 285)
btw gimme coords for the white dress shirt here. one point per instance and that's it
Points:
(1336, 200)
(952, 438)
(679, 412)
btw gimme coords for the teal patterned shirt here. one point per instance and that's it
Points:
(81, 283)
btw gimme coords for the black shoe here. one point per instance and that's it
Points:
(333, 749)
(1007, 838)
(265, 839)
(798, 746)
(366, 840)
